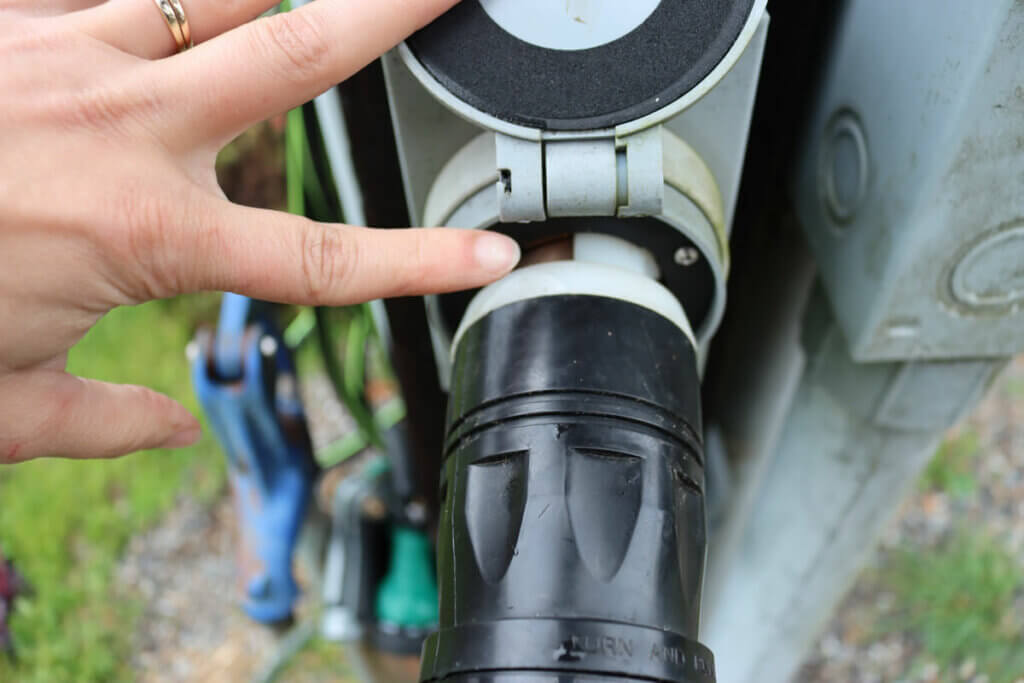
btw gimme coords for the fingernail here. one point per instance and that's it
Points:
(496, 253)
(185, 437)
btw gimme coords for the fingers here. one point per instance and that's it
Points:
(138, 27)
(47, 7)
(279, 257)
(275, 63)
(51, 413)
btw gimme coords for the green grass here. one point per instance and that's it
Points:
(950, 469)
(958, 599)
(66, 523)
(958, 602)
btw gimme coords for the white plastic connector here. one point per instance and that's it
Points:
(574, 277)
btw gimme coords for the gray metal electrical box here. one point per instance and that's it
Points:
(911, 189)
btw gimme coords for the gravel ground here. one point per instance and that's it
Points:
(192, 629)
(847, 652)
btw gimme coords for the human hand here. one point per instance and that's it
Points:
(108, 195)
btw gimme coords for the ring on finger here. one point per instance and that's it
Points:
(174, 14)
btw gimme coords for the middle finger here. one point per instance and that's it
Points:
(271, 65)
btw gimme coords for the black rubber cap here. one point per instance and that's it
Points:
(601, 87)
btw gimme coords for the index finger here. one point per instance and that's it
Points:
(275, 63)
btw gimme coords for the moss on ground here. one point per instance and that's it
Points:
(958, 602)
(951, 470)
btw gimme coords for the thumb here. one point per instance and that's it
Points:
(279, 257)
(52, 413)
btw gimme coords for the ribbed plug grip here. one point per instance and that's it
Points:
(572, 533)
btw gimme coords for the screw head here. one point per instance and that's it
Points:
(268, 346)
(686, 256)
(416, 511)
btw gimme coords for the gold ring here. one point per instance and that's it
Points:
(174, 14)
(186, 30)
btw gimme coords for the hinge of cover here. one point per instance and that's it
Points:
(598, 176)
